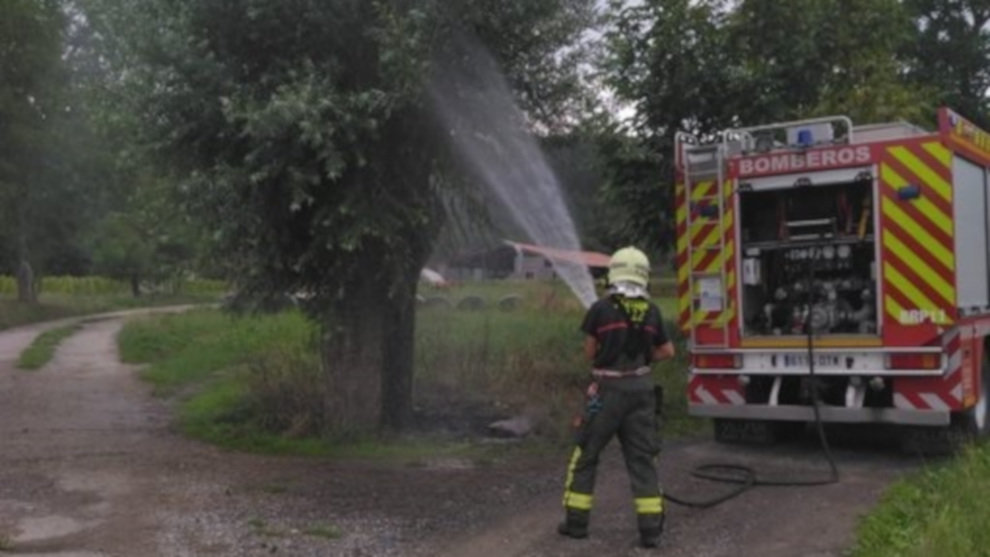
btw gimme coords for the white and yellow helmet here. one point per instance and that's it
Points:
(629, 265)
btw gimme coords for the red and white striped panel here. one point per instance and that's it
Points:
(713, 389)
(935, 393)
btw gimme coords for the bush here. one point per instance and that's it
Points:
(285, 393)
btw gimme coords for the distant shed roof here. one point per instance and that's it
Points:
(586, 258)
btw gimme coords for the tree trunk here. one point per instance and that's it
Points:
(397, 386)
(353, 358)
(25, 283)
(135, 285)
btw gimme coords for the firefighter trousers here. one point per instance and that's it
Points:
(630, 416)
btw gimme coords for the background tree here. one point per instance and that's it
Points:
(670, 63)
(35, 181)
(950, 54)
(302, 134)
(699, 67)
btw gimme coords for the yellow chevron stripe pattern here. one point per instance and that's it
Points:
(931, 245)
(902, 283)
(932, 179)
(937, 150)
(938, 218)
(683, 269)
(932, 278)
(894, 309)
(702, 262)
(702, 189)
(915, 232)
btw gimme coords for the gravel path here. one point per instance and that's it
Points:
(90, 467)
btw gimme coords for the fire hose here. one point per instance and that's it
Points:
(746, 477)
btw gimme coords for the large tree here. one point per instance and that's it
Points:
(302, 132)
(704, 65)
(37, 191)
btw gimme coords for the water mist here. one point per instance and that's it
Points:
(490, 134)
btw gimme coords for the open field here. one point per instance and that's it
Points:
(71, 296)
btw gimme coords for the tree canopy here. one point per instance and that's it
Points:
(301, 131)
(702, 66)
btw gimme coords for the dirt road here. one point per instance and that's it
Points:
(90, 467)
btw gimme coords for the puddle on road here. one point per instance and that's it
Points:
(103, 484)
(46, 527)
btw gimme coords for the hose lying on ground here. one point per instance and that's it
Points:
(745, 476)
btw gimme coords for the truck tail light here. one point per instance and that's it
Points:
(914, 361)
(717, 361)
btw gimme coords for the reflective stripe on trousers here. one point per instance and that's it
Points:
(573, 499)
(649, 505)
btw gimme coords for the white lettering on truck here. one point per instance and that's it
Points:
(919, 316)
(814, 159)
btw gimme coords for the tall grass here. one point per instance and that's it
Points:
(940, 511)
(190, 347)
(256, 382)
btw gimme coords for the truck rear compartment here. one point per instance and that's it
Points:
(809, 249)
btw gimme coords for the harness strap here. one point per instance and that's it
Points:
(613, 374)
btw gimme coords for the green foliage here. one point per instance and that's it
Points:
(950, 54)
(335, 149)
(301, 133)
(939, 511)
(327, 531)
(187, 348)
(255, 383)
(43, 347)
(704, 66)
(47, 188)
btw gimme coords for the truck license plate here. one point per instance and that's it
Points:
(801, 360)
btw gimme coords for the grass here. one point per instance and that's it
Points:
(318, 530)
(254, 383)
(6, 542)
(42, 349)
(942, 511)
(262, 528)
(327, 531)
(59, 306)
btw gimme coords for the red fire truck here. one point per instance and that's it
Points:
(819, 260)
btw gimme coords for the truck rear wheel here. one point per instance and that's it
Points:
(968, 425)
(974, 422)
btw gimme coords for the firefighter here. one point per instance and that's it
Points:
(624, 334)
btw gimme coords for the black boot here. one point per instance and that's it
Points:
(650, 537)
(575, 525)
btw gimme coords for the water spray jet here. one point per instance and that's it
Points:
(490, 135)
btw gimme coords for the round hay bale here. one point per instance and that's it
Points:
(510, 302)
